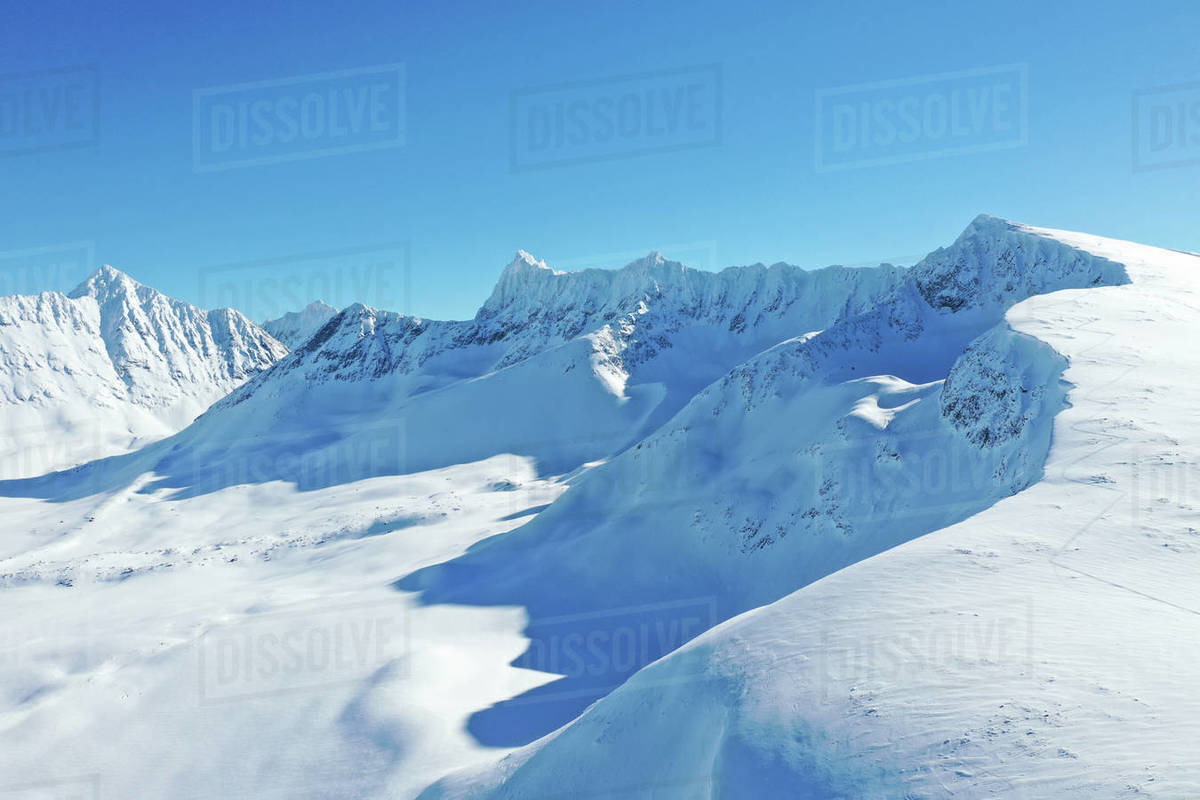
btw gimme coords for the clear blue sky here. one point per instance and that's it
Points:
(461, 192)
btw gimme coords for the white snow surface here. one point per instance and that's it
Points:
(650, 532)
(112, 365)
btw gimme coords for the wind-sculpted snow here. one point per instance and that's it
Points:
(114, 362)
(818, 453)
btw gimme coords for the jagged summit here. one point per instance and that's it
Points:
(525, 261)
(357, 310)
(105, 280)
(527, 281)
(108, 271)
(987, 220)
(523, 270)
(526, 264)
(119, 359)
(653, 261)
(317, 306)
(996, 262)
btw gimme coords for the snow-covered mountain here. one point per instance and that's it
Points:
(297, 327)
(755, 533)
(563, 367)
(801, 459)
(1044, 647)
(112, 364)
(817, 453)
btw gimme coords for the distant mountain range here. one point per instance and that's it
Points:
(110, 365)
(297, 327)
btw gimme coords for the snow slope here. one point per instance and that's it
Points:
(815, 454)
(112, 364)
(1044, 647)
(297, 327)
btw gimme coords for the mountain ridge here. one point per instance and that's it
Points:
(628, 346)
(799, 460)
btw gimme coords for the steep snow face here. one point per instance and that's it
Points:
(164, 349)
(818, 453)
(113, 363)
(563, 367)
(1045, 647)
(995, 263)
(297, 327)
